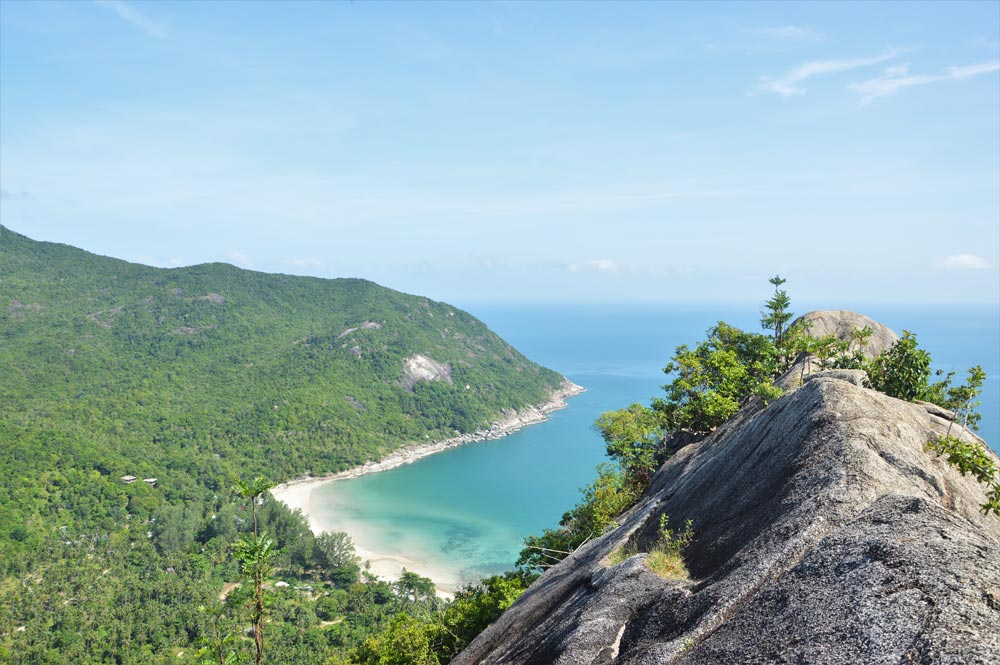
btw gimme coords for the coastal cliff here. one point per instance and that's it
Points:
(824, 533)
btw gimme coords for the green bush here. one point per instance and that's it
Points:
(716, 378)
(902, 371)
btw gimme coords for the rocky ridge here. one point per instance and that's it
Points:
(825, 533)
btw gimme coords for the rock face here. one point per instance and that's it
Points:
(824, 533)
(419, 368)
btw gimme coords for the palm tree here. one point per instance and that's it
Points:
(256, 554)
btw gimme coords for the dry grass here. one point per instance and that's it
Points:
(665, 557)
(666, 564)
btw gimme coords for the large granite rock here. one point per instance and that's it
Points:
(841, 323)
(825, 533)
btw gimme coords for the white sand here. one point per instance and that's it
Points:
(298, 493)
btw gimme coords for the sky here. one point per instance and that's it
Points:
(518, 151)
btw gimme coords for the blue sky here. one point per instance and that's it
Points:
(518, 151)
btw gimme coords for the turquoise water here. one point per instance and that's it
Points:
(465, 511)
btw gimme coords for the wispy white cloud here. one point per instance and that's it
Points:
(895, 79)
(597, 265)
(789, 33)
(129, 13)
(789, 83)
(240, 259)
(965, 262)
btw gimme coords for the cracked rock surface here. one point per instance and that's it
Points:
(824, 533)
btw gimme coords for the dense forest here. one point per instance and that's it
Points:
(113, 374)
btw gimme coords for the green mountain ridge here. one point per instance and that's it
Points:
(200, 374)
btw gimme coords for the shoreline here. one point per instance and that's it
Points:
(297, 493)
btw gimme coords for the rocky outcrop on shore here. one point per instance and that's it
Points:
(824, 533)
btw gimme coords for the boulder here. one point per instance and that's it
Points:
(841, 323)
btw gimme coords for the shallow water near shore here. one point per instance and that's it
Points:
(462, 514)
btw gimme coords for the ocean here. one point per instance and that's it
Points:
(462, 514)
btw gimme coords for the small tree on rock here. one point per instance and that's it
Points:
(777, 314)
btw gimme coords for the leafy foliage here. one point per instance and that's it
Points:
(902, 371)
(193, 376)
(256, 553)
(409, 640)
(969, 456)
(635, 440)
(716, 378)
(776, 317)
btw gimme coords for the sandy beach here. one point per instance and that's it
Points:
(298, 493)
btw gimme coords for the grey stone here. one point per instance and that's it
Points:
(841, 323)
(855, 376)
(825, 533)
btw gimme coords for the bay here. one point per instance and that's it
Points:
(463, 514)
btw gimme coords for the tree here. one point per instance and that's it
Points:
(413, 587)
(255, 554)
(634, 438)
(962, 398)
(253, 490)
(716, 378)
(405, 641)
(334, 550)
(217, 645)
(777, 314)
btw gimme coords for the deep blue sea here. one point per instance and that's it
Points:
(462, 514)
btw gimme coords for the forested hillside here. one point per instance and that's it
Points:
(197, 376)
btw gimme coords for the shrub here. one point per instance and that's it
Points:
(902, 371)
(666, 556)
